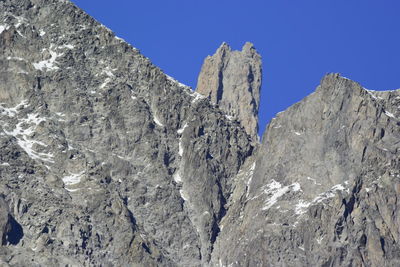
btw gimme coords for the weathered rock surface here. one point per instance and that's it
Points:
(104, 159)
(107, 161)
(4, 221)
(232, 79)
(323, 188)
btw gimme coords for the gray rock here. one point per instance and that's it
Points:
(322, 189)
(107, 161)
(4, 221)
(232, 79)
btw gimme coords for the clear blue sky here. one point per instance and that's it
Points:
(299, 40)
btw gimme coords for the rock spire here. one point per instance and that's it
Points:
(232, 79)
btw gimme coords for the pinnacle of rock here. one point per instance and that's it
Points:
(232, 79)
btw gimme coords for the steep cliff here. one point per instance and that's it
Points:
(232, 80)
(104, 159)
(323, 187)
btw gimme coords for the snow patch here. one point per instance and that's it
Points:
(5, 164)
(104, 84)
(250, 178)
(295, 187)
(68, 46)
(23, 136)
(169, 78)
(302, 205)
(73, 178)
(197, 97)
(157, 121)
(180, 147)
(16, 58)
(274, 191)
(24, 130)
(42, 32)
(4, 28)
(297, 133)
(231, 118)
(180, 131)
(11, 112)
(177, 177)
(387, 113)
(184, 195)
(110, 75)
(48, 64)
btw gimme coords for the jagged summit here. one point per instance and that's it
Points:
(232, 79)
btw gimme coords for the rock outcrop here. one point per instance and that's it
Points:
(232, 80)
(323, 188)
(107, 161)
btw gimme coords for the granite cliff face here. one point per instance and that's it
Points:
(107, 161)
(322, 189)
(232, 80)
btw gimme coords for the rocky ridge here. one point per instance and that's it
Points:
(107, 161)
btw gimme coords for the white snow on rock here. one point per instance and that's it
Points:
(184, 195)
(16, 58)
(387, 113)
(48, 64)
(108, 71)
(73, 178)
(177, 177)
(297, 133)
(231, 118)
(106, 81)
(23, 135)
(250, 177)
(68, 46)
(4, 28)
(169, 78)
(11, 112)
(197, 97)
(180, 131)
(180, 147)
(23, 131)
(274, 191)
(302, 205)
(157, 121)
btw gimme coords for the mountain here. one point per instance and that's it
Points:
(107, 161)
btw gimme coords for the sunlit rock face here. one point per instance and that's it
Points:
(104, 159)
(322, 189)
(232, 80)
(107, 161)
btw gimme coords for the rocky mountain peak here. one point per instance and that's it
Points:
(232, 80)
(107, 161)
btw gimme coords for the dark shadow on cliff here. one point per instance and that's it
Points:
(16, 233)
